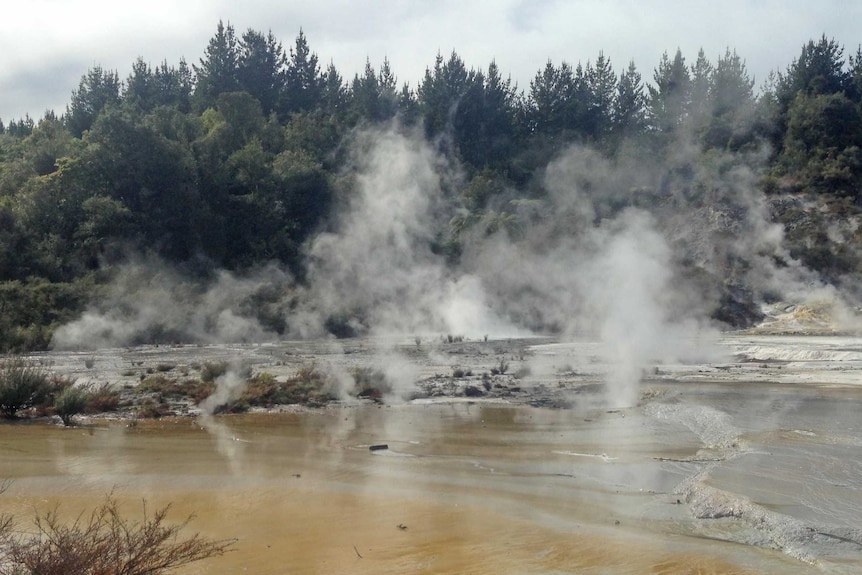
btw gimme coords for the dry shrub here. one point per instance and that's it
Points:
(152, 410)
(210, 371)
(308, 386)
(104, 543)
(175, 388)
(501, 368)
(102, 399)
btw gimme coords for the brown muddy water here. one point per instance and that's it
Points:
(721, 468)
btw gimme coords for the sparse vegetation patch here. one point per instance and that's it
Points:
(103, 543)
(308, 386)
(371, 383)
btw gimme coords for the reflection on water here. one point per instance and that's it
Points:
(726, 469)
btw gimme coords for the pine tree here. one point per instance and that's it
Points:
(97, 90)
(670, 98)
(551, 94)
(218, 69)
(334, 97)
(304, 82)
(140, 87)
(701, 83)
(602, 82)
(629, 115)
(261, 68)
(731, 88)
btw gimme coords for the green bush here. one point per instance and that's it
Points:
(213, 370)
(71, 401)
(22, 385)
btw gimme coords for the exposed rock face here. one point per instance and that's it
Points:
(738, 309)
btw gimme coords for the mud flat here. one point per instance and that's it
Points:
(745, 464)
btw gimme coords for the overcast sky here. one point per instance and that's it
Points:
(47, 45)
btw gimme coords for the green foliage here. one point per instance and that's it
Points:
(31, 310)
(210, 371)
(98, 90)
(303, 88)
(629, 116)
(261, 69)
(217, 73)
(70, 402)
(22, 386)
(822, 144)
(670, 98)
(819, 69)
(240, 159)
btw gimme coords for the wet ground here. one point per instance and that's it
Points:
(748, 463)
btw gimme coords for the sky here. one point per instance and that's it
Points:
(47, 45)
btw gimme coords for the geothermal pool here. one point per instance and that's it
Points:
(749, 464)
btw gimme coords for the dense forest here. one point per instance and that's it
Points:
(242, 161)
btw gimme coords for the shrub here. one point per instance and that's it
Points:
(175, 388)
(501, 368)
(371, 383)
(71, 401)
(473, 391)
(308, 385)
(102, 399)
(22, 385)
(105, 544)
(213, 370)
(152, 410)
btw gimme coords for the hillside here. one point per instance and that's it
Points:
(256, 195)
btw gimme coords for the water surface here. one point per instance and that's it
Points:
(752, 466)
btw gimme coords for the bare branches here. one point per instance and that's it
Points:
(105, 544)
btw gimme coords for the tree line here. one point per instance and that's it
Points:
(238, 159)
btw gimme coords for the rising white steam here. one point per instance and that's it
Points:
(609, 278)
(228, 387)
(630, 253)
(379, 265)
(151, 302)
(634, 304)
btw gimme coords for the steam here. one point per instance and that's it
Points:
(228, 387)
(151, 302)
(379, 261)
(585, 268)
(625, 251)
(629, 293)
